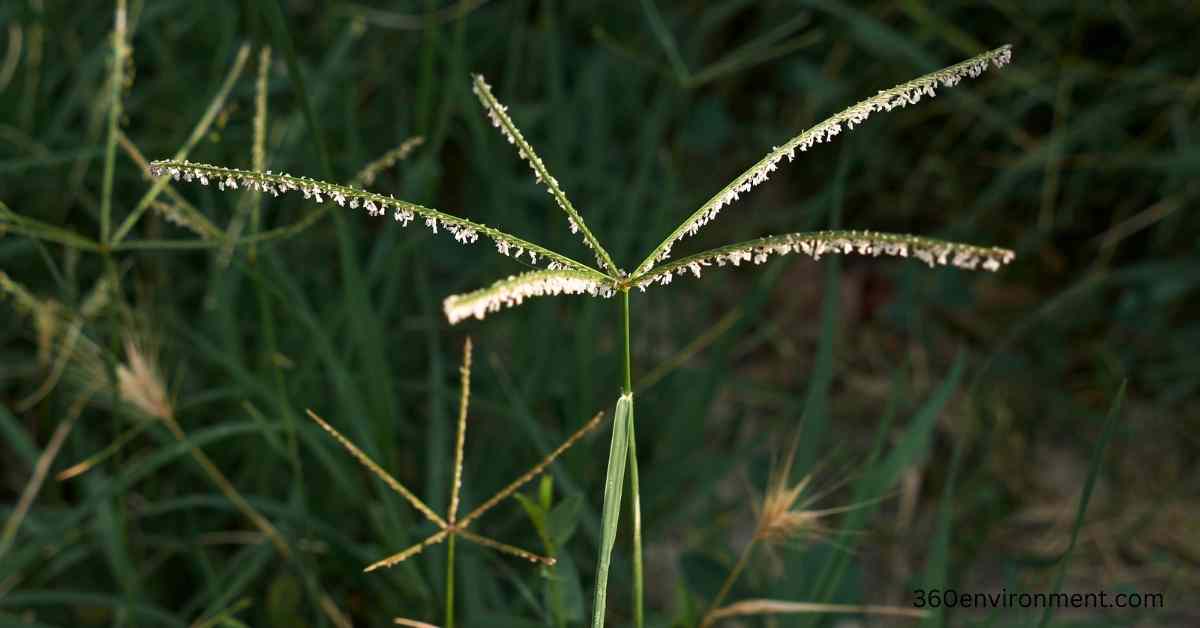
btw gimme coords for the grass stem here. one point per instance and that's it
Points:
(116, 83)
(450, 581)
(728, 584)
(635, 496)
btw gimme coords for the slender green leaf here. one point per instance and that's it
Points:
(614, 484)
(1110, 428)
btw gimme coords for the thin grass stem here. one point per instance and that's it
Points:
(116, 83)
(532, 473)
(40, 469)
(635, 492)
(450, 581)
(230, 491)
(730, 579)
(201, 128)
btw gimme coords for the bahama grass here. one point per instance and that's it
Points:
(404, 212)
(901, 95)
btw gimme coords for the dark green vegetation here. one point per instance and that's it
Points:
(966, 411)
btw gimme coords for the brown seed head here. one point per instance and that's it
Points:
(140, 384)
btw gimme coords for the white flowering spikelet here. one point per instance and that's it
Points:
(886, 100)
(498, 114)
(464, 231)
(563, 275)
(816, 244)
(514, 290)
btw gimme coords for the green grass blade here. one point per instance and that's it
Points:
(116, 84)
(17, 223)
(198, 132)
(79, 599)
(917, 438)
(639, 612)
(270, 10)
(614, 484)
(666, 40)
(15, 437)
(1110, 427)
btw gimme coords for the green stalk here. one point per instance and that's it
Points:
(614, 485)
(638, 607)
(450, 581)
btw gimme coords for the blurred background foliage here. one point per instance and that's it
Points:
(963, 411)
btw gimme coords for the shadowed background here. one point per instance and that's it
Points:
(983, 395)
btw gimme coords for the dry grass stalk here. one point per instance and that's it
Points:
(367, 175)
(412, 623)
(455, 526)
(779, 607)
(40, 469)
(57, 328)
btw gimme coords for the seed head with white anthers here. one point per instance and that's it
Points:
(816, 244)
(886, 100)
(563, 275)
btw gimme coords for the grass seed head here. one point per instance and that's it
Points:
(783, 516)
(140, 383)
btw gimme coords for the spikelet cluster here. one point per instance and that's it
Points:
(498, 113)
(514, 290)
(886, 100)
(563, 275)
(464, 231)
(816, 244)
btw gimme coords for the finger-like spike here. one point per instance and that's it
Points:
(818, 243)
(464, 230)
(885, 100)
(387, 478)
(500, 119)
(514, 290)
(411, 551)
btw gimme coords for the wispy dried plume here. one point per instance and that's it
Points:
(785, 515)
(513, 291)
(140, 383)
(886, 100)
